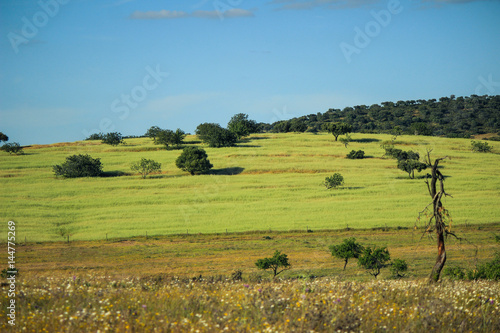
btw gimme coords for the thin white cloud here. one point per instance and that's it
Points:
(155, 15)
(329, 4)
(210, 14)
(343, 4)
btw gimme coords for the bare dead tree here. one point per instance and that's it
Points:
(438, 216)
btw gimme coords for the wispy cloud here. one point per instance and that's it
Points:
(345, 4)
(329, 4)
(173, 14)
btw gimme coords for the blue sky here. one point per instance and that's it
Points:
(70, 68)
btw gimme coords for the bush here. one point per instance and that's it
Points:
(12, 148)
(193, 160)
(145, 167)
(79, 166)
(356, 154)
(95, 136)
(398, 267)
(374, 259)
(454, 272)
(334, 181)
(480, 147)
(274, 263)
(489, 270)
(113, 138)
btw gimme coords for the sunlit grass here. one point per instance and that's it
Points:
(277, 186)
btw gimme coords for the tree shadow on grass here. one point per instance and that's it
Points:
(227, 171)
(248, 146)
(365, 140)
(107, 174)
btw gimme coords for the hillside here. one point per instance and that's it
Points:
(270, 181)
(452, 116)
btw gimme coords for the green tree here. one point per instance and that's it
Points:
(3, 137)
(334, 181)
(374, 259)
(145, 167)
(153, 132)
(296, 125)
(168, 137)
(241, 126)
(79, 166)
(193, 160)
(337, 128)
(410, 166)
(215, 136)
(345, 141)
(113, 138)
(398, 268)
(277, 261)
(346, 250)
(12, 148)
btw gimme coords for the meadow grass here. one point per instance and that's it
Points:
(269, 181)
(183, 283)
(93, 303)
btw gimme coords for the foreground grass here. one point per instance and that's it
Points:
(93, 303)
(271, 181)
(184, 283)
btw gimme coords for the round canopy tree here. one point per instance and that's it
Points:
(193, 160)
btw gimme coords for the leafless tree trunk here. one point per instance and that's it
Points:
(438, 214)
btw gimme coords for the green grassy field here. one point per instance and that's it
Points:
(270, 181)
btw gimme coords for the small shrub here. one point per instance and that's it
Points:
(5, 272)
(356, 154)
(12, 148)
(237, 275)
(95, 136)
(79, 166)
(374, 259)
(145, 167)
(398, 268)
(454, 272)
(480, 147)
(334, 181)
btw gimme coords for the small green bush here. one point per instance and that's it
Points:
(79, 166)
(193, 160)
(480, 147)
(398, 268)
(12, 148)
(356, 154)
(454, 272)
(145, 167)
(334, 181)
